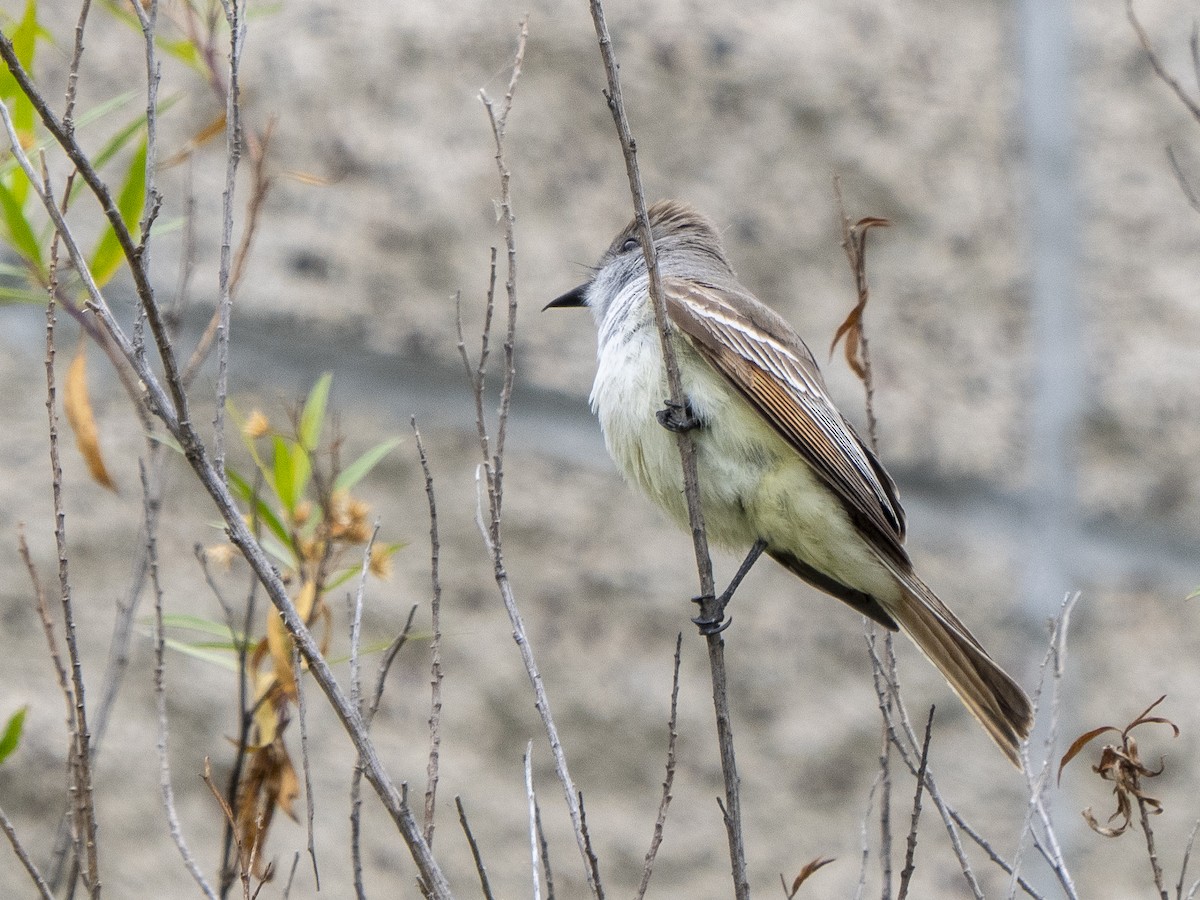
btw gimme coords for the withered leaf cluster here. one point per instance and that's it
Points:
(1121, 764)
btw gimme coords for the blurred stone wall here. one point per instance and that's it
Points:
(747, 110)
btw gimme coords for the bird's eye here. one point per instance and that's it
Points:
(630, 244)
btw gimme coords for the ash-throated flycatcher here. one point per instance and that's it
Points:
(778, 465)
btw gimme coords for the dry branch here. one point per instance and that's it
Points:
(709, 610)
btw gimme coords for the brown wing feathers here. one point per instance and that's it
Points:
(784, 384)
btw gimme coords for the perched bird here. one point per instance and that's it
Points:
(779, 467)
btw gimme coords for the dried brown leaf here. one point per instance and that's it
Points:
(78, 407)
(215, 126)
(855, 239)
(1079, 743)
(1122, 765)
(805, 873)
(269, 783)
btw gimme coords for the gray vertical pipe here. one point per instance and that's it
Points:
(1047, 113)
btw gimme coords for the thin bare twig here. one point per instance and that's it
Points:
(911, 848)
(234, 15)
(535, 863)
(544, 849)
(709, 609)
(479, 866)
(287, 888)
(885, 792)
(309, 803)
(81, 788)
(858, 351)
(1183, 866)
(1155, 865)
(672, 735)
(150, 511)
(259, 189)
(492, 466)
(30, 867)
(385, 665)
(1159, 69)
(43, 608)
(593, 860)
(356, 613)
(435, 643)
(866, 840)
(1053, 667)
(908, 754)
(245, 861)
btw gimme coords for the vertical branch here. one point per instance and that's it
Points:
(435, 644)
(385, 665)
(148, 19)
(911, 850)
(669, 780)
(81, 788)
(297, 671)
(535, 865)
(484, 885)
(493, 467)
(234, 13)
(30, 867)
(150, 511)
(708, 610)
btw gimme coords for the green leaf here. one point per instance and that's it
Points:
(183, 50)
(357, 470)
(217, 657)
(284, 473)
(312, 419)
(108, 255)
(242, 488)
(10, 295)
(24, 40)
(204, 626)
(12, 733)
(117, 142)
(19, 232)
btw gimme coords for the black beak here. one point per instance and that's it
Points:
(569, 299)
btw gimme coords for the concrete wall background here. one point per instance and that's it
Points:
(747, 112)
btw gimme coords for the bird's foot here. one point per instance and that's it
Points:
(712, 609)
(712, 614)
(678, 417)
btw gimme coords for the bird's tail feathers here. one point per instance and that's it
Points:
(991, 695)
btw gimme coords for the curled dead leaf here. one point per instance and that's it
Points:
(78, 407)
(855, 242)
(1122, 766)
(805, 873)
(269, 783)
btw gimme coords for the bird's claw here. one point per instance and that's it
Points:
(678, 417)
(715, 623)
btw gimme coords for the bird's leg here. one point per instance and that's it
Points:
(677, 417)
(712, 609)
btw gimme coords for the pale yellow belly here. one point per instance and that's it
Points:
(753, 484)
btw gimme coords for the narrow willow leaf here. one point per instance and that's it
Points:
(357, 470)
(78, 407)
(216, 657)
(18, 230)
(188, 622)
(312, 418)
(108, 255)
(242, 488)
(11, 738)
(284, 475)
